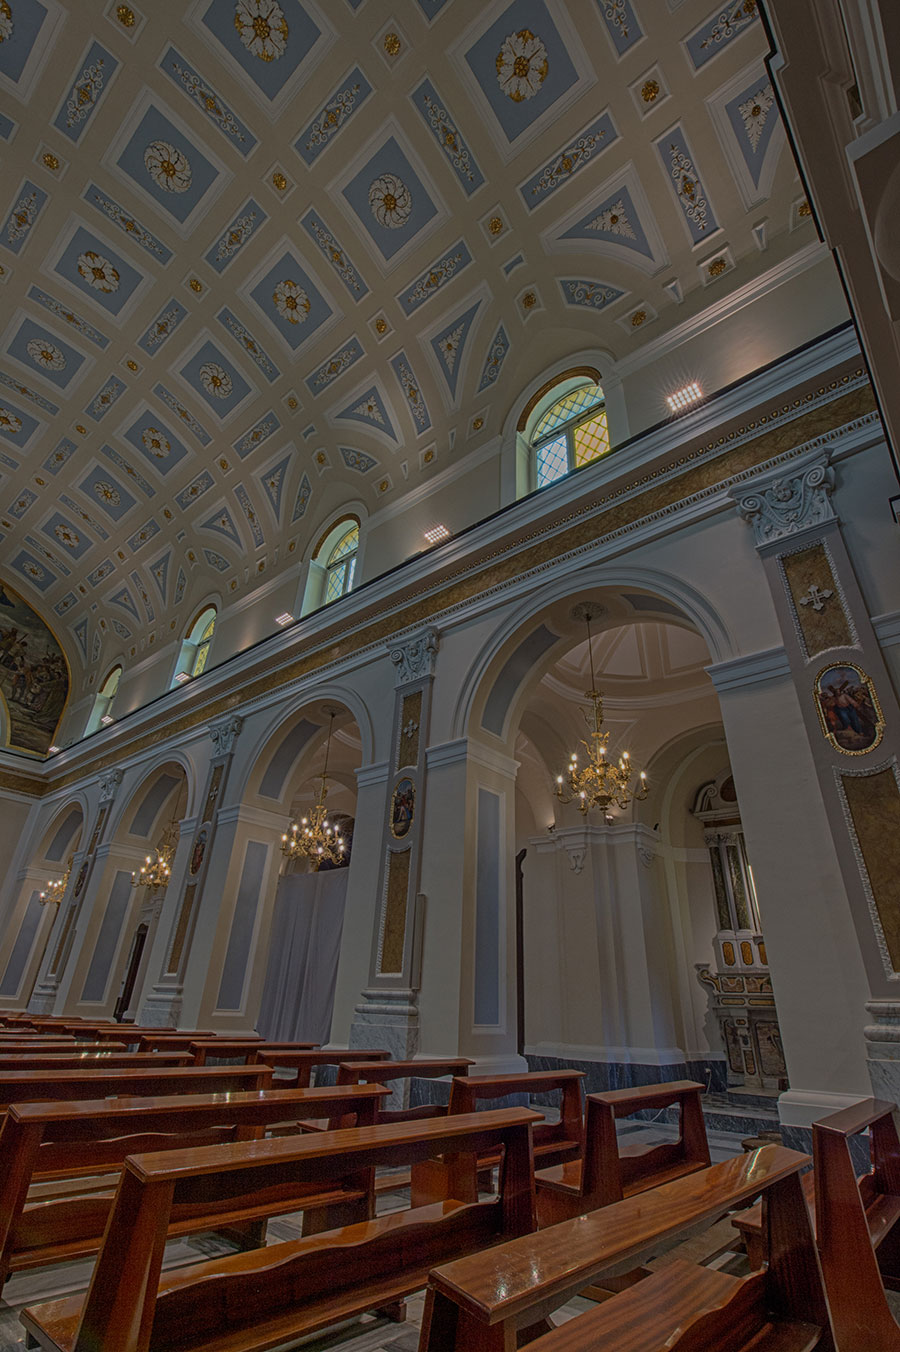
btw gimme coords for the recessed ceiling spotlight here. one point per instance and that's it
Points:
(107, 719)
(284, 618)
(437, 533)
(182, 677)
(682, 398)
(52, 750)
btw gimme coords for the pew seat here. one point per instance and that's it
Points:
(273, 1296)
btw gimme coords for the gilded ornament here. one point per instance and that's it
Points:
(6, 21)
(650, 91)
(125, 15)
(50, 161)
(383, 486)
(262, 28)
(196, 285)
(46, 354)
(804, 209)
(717, 267)
(390, 201)
(292, 404)
(292, 302)
(279, 180)
(477, 424)
(168, 166)
(522, 65)
(638, 318)
(9, 423)
(392, 43)
(79, 428)
(132, 365)
(381, 325)
(529, 300)
(157, 444)
(98, 272)
(495, 225)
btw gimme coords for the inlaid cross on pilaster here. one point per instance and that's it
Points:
(815, 598)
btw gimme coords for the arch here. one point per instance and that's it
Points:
(60, 836)
(671, 598)
(174, 765)
(35, 675)
(334, 561)
(195, 646)
(101, 710)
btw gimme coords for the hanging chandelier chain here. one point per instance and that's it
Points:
(315, 837)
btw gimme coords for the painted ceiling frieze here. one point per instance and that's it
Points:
(192, 83)
(613, 220)
(16, 425)
(445, 131)
(335, 115)
(359, 461)
(136, 478)
(108, 394)
(304, 493)
(336, 255)
(339, 362)
(95, 72)
(194, 490)
(34, 674)
(720, 29)
(187, 418)
(621, 24)
(255, 351)
(755, 124)
(43, 403)
(44, 353)
(272, 482)
(163, 326)
(59, 456)
(80, 630)
(102, 488)
(442, 271)
(685, 181)
(101, 572)
(222, 523)
(68, 316)
(258, 433)
(180, 587)
(370, 409)
(45, 553)
(141, 590)
(244, 226)
(449, 345)
(573, 157)
(27, 205)
(159, 571)
(121, 629)
(83, 516)
(497, 354)
(65, 603)
(245, 502)
(143, 536)
(590, 295)
(412, 392)
(124, 599)
(132, 227)
(22, 503)
(216, 560)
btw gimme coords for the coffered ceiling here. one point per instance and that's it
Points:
(261, 257)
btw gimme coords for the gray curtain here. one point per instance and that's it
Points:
(307, 922)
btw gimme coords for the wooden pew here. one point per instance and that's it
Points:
(255, 1301)
(856, 1224)
(168, 1038)
(304, 1063)
(53, 1047)
(609, 1170)
(386, 1072)
(102, 1060)
(37, 1086)
(490, 1301)
(43, 1144)
(221, 1048)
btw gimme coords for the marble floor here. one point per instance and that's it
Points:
(370, 1334)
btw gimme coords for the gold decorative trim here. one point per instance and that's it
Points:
(590, 371)
(869, 685)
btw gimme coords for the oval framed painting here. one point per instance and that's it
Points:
(198, 851)
(403, 808)
(848, 707)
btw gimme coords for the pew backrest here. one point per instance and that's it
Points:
(304, 1063)
(219, 1048)
(30, 1086)
(388, 1072)
(93, 1060)
(553, 1141)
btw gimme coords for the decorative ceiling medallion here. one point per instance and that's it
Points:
(390, 197)
(284, 292)
(589, 294)
(262, 28)
(522, 65)
(291, 301)
(272, 45)
(617, 222)
(649, 90)
(390, 201)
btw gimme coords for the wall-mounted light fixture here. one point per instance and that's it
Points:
(683, 398)
(436, 534)
(284, 618)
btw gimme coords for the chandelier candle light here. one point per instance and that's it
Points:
(600, 783)
(55, 889)
(315, 837)
(155, 873)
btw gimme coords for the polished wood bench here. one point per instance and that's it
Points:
(220, 1048)
(387, 1072)
(304, 1063)
(255, 1301)
(52, 1047)
(856, 1223)
(179, 1041)
(45, 1144)
(491, 1301)
(32, 1086)
(610, 1169)
(93, 1060)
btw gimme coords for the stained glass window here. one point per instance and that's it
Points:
(203, 645)
(341, 565)
(572, 432)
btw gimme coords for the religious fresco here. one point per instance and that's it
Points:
(848, 708)
(403, 806)
(34, 675)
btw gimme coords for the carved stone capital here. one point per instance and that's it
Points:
(223, 734)
(785, 501)
(109, 784)
(415, 658)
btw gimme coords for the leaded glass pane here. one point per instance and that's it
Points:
(200, 659)
(590, 439)
(335, 584)
(569, 407)
(552, 461)
(345, 546)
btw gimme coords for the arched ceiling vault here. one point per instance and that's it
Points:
(264, 255)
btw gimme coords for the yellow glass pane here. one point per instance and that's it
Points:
(346, 545)
(200, 659)
(568, 407)
(591, 440)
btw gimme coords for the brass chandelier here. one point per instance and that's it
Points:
(315, 837)
(157, 868)
(601, 782)
(55, 890)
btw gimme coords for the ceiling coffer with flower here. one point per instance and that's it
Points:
(253, 249)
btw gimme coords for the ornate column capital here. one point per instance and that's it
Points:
(223, 733)
(415, 658)
(109, 784)
(785, 501)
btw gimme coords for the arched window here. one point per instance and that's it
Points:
(341, 564)
(101, 713)
(195, 647)
(571, 432)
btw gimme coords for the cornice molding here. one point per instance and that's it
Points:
(770, 665)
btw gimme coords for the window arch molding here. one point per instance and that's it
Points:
(196, 644)
(589, 366)
(333, 568)
(105, 698)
